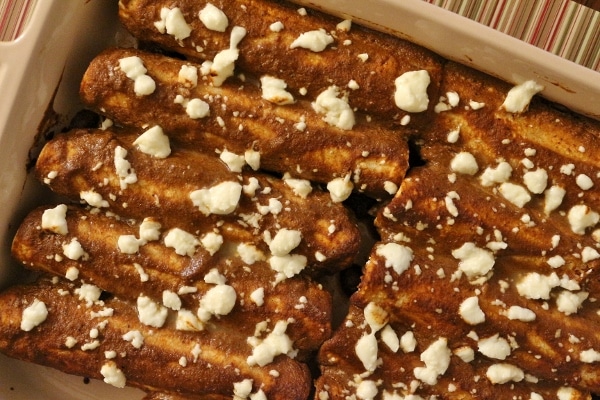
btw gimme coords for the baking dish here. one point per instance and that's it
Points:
(44, 65)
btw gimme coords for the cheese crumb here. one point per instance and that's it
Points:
(113, 375)
(276, 343)
(284, 241)
(396, 256)
(154, 142)
(474, 261)
(213, 18)
(582, 217)
(411, 91)
(315, 41)
(183, 242)
(366, 350)
(151, 313)
(516, 194)
(494, 347)
(54, 219)
(33, 315)
(518, 98)
(437, 359)
(273, 90)
(340, 189)
(464, 163)
(337, 112)
(173, 23)
(470, 311)
(220, 199)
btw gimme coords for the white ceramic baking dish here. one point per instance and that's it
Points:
(44, 65)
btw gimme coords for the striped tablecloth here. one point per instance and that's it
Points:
(570, 29)
(14, 15)
(567, 28)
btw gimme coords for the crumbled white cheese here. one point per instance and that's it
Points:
(218, 300)
(494, 347)
(504, 373)
(520, 314)
(367, 390)
(113, 375)
(134, 69)
(474, 261)
(250, 253)
(437, 359)
(54, 219)
(242, 389)
(390, 338)
(276, 343)
(149, 230)
(375, 316)
(536, 181)
(188, 75)
(151, 313)
(569, 302)
(197, 108)
(589, 356)
(470, 311)
(276, 26)
(408, 342)
(33, 315)
(215, 277)
(582, 217)
(336, 110)
(411, 91)
(187, 321)
(556, 261)
(553, 198)
(220, 199)
(73, 250)
(213, 18)
(340, 189)
(128, 244)
(171, 300)
(154, 142)
(173, 23)
(284, 241)
(252, 158)
(223, 65)
(518, 98)
(134, 337)
(316, 40)
(123, 168)
(501, 173)
(93, 198)
(465, 353)
(366, 349)
(537, 286)
(234, 162)
(273, 90)
(396, 256)
(464, 163)
(183, 242)
(516, 194)
(450, 205)
(344, 26)
(88, 293)
(288, 265)
(584, 182)
(258, 296)
(301, 187)
(72, 273)
(212, 242)
(589, 254)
